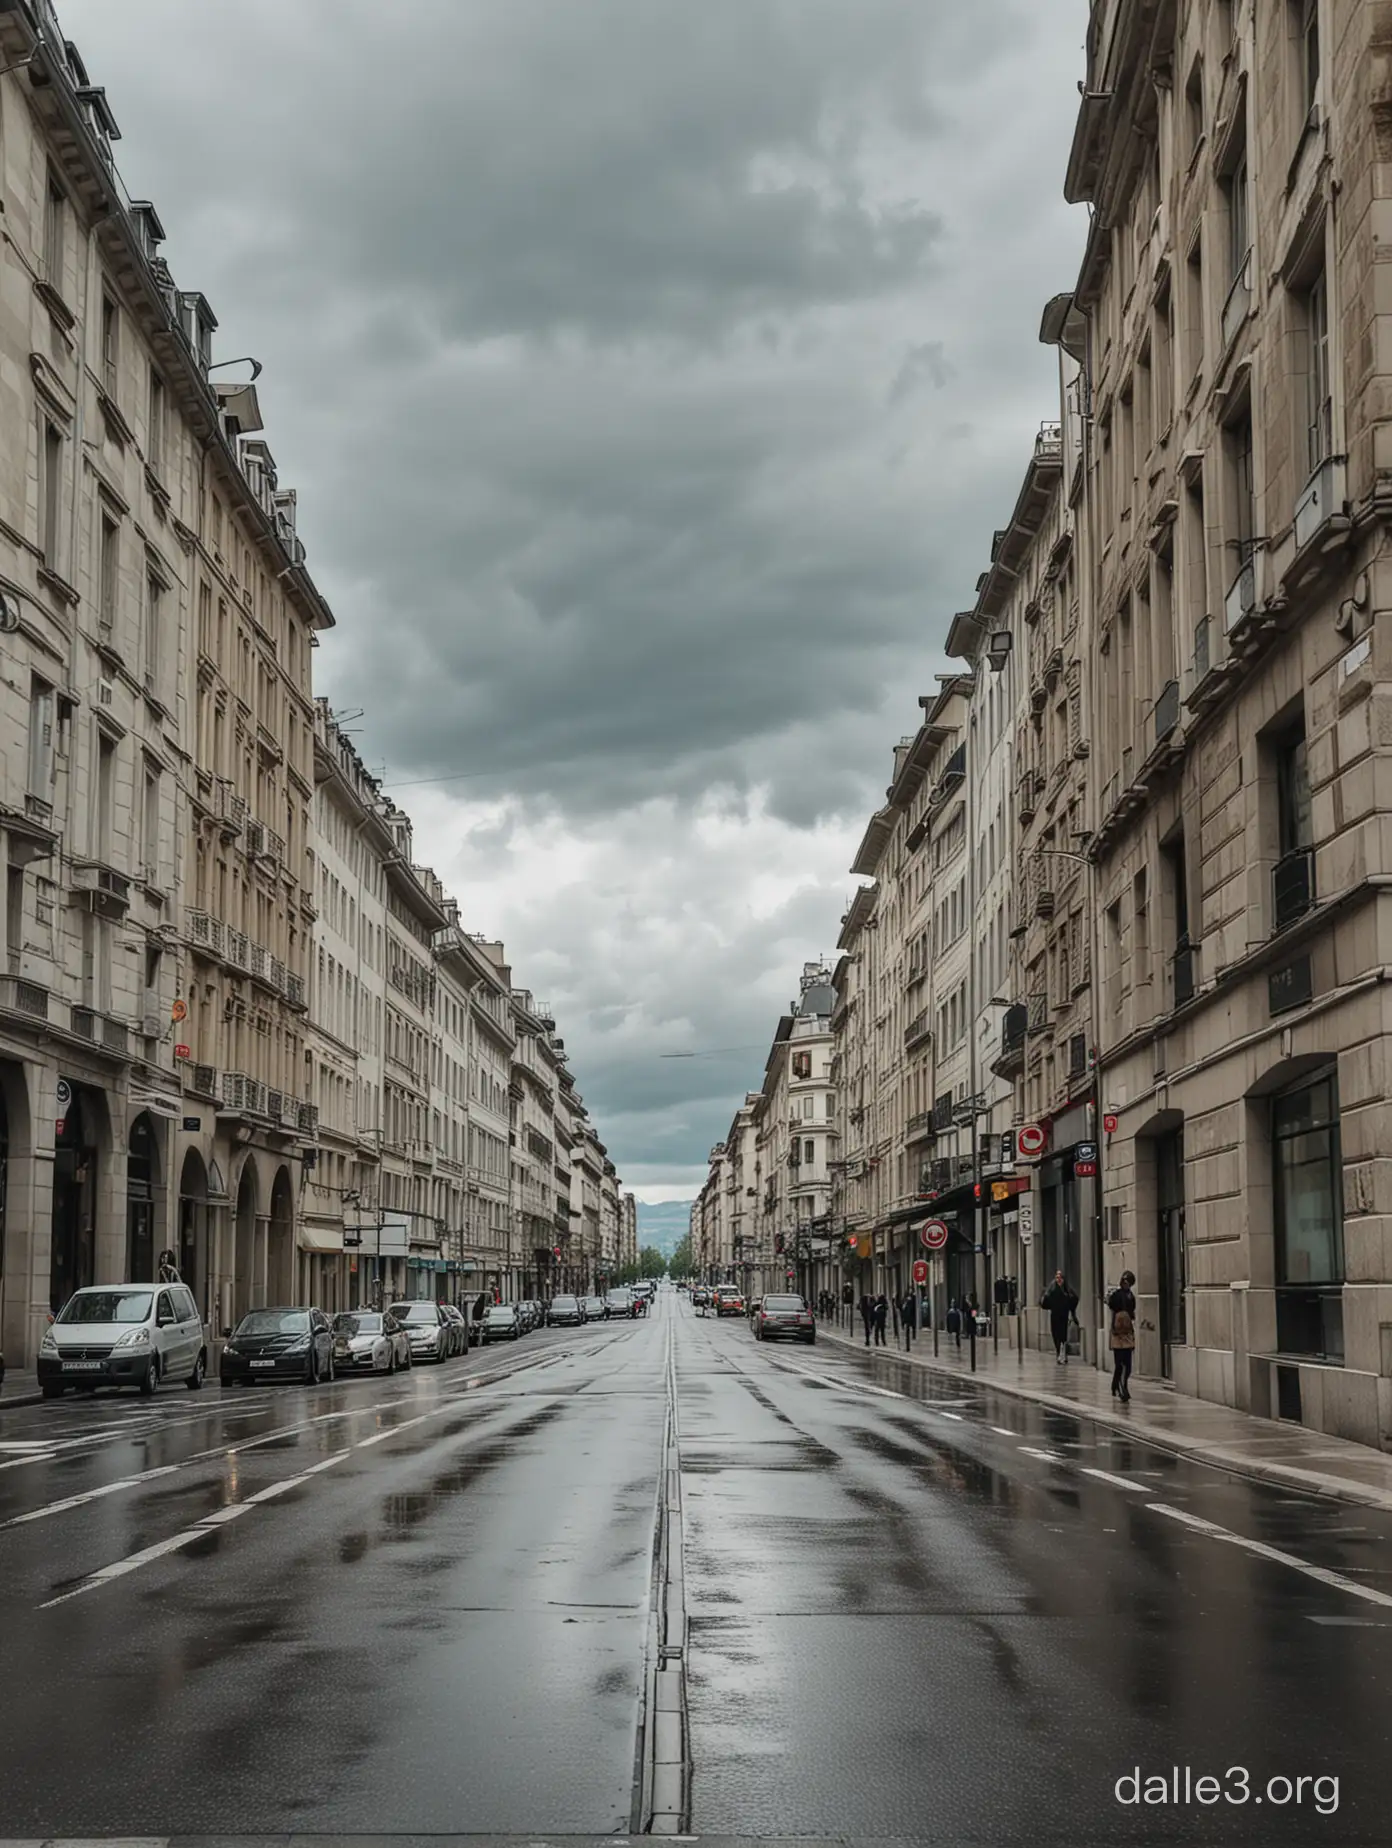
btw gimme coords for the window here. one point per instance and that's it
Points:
(154, 454)
(1293, 794)
(1241, 493)
(154, 620)
(1308, 54)
(108, 568)
(1194, 310)
(55, 232)
(110, 340)
(1194, 109)
(51, 504)
(809, 1151)
(1308, 1201)
(1239, 238)
(41, 740)
(103, 792)
(1163, 348)
(150, 820)
(1319, 402)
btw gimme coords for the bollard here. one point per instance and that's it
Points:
(973, 1342)
(995, 1331)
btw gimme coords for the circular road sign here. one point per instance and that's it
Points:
(920, 1270)
(1031, 1139)
(933, 1234)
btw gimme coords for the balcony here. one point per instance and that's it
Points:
(205, 933)
(243, 1096)
(105, 890)
(1010, 1060)
(204, 1080)
(238, 950)
(919, 1030)
(231, 810)
(1292, 886)
(1241, 599)
(294, 989)
(1238, 305)
(21, 997)
(919, 1127)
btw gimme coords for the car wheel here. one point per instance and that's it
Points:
(225, 1383)
(811, 1340)
(150, 1380)
(51, 1390)
(200, 1368)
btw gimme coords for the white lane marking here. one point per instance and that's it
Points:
(161, 1548)
(1048, 1456)
(842, 1385)
(1260, 1548)
(1117, 1482)
(955, 1416)
(90, 1495)
(32, 1443)
(1001, 1431)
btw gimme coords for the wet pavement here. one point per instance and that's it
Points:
(884, 1605)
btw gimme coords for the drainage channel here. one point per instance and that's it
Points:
(662, 1796)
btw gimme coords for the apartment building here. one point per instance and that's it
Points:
(532, 1152)
(352, 846)
(492, 1233)
(1235, 168)
(628, 1228)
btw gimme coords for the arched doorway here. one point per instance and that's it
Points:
(193, 1227)
(246, 1270)
(280, 1259)
(73, 1242)
(143, 1236)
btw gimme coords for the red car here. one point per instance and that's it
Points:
(728, 1301)
(784, 1315)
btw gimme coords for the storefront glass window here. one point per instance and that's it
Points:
(1309, 1220)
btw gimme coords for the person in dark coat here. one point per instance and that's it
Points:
(1061, 1301)
(867, 1315)
(954, 1322)
(1122, 1304)
(881, 1318)
(908, 1314)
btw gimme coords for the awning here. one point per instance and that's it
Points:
(319, 1238)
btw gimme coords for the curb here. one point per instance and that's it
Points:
(1281, 1475)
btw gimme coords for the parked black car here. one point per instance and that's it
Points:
(565, 1311)
(293, 1343)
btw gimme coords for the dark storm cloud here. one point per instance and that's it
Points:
(653, 375)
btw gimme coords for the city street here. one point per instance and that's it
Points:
(429, 1605)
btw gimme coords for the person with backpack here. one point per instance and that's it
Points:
(1062, 1302)
(1122, 1304)
(954, 1322)
(880, 1316)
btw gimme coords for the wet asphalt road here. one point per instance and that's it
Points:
(428, 1605)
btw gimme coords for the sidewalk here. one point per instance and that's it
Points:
(1288, 1454)
(19, 1389)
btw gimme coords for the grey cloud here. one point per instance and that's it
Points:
(578, 319)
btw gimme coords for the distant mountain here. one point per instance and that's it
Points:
(664, 1226)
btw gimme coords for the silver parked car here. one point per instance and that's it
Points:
(459, 1322)
(124, 1334)
(430, 1330)
(594, 1308)
(366, 1341)
(502, 1323)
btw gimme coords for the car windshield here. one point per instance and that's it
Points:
(563, 1302)
(784, 1302)
(107, 1306)
(357, 1324)
(416, 1312)
(274, 1322)
(501, 1314)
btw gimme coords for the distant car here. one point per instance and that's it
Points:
(502, 1323)
(594, 1308)
(527, 1315)
(728, 1300)
(366, 1341)
(430, 1330)
(565, 1312)
(780, 1316)
(459, 1322)
(620, 1302)
(294, 1343)
(700, 1299)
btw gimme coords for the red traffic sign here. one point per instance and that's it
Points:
(920, 1270)
(933, 1234)
(1084, 1168)
(1109, 1124)
(1032, 1139)
(181, 1052)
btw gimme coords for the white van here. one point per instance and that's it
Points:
(124, 1334)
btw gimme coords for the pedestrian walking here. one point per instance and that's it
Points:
(954, 1322)
(908, 1314)
(867, 1315)
(1061, 1301)
(169, 1268)
(881, 1318)
(1122, 1304)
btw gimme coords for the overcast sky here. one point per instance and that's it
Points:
(652, 374)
